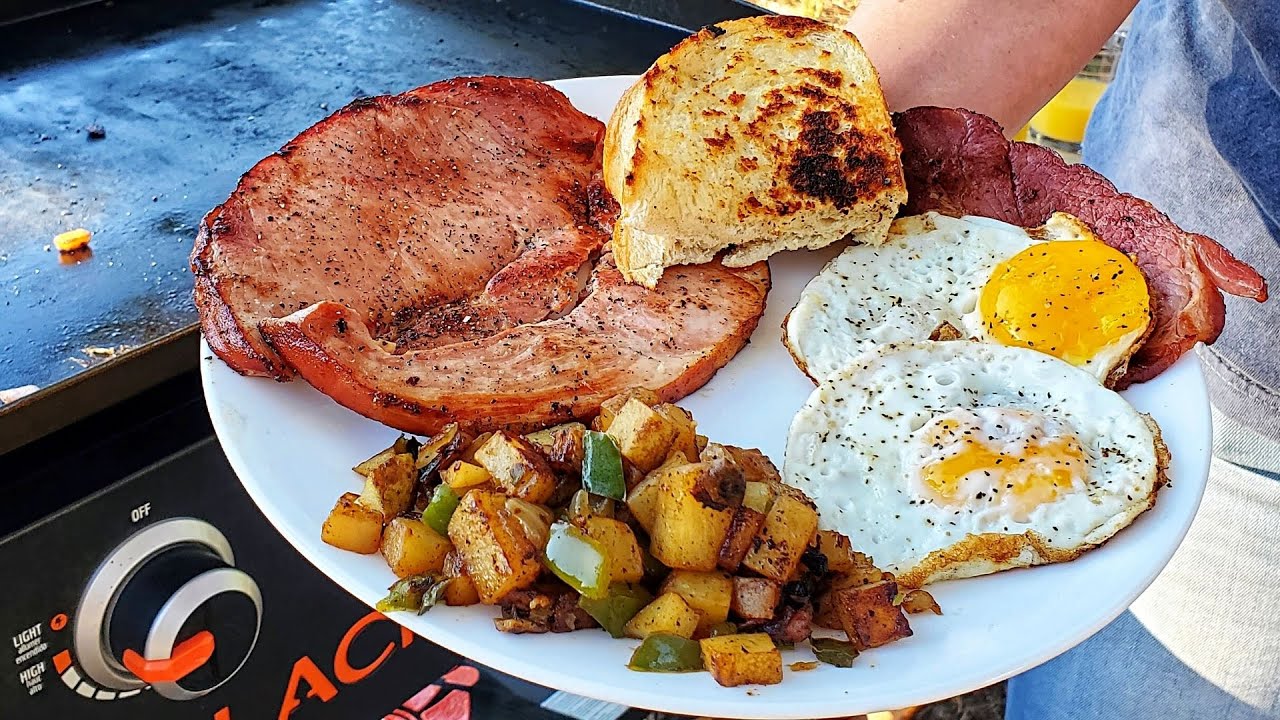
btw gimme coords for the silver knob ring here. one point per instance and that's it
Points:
(179, 607)
(97, 603)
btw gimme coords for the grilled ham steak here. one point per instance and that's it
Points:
(671, 340)
(420, 259)
(407, 209)
(958, 162)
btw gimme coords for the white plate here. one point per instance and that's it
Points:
(293, 448)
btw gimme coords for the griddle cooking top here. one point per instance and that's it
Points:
(191, 95)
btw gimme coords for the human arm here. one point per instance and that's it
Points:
(1003, 58)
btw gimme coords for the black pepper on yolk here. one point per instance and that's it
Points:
(1073, 299)
(1023, 468)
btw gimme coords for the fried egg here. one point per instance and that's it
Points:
(953, 459)
(1057, 289)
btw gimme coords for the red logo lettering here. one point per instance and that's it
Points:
(318, 686)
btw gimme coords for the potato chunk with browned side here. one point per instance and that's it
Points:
(686, 438)
(668, 613)
(411, 547)
(563, 446)
(460, 590)
(789, 528)
(755, 465)
(518, 468)
(609, 408)
(642, 498)
(388, 488)
(841, 557)
(620, 547)
(643, 435)
(463, 476)
(742, 659)
(743, 532)
(869, 616)
(687, 533)
(352, 526)
(709, 593)
(496, 553)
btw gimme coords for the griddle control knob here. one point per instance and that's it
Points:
(169, 609)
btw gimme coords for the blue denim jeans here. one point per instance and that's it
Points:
(1203, 643)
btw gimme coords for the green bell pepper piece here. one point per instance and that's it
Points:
(834, 652)
(416, 593)
(602, 467)
(438, 511)
(667, 653)
(578, 560)
(622, 604)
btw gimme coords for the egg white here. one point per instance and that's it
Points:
(930, 271)
(852, 448)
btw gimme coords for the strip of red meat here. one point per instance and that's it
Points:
(958, 162)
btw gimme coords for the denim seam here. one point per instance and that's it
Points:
(1239, 380)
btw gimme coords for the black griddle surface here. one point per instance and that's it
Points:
(191, 94)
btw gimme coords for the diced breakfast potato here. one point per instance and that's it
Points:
(441, 449)
(367, 466)
(755, 598)
(620, 546)
(460, 590)
(789, 528)
(388, 489)
(859, 574)
(410, 547)
(497, 555)
(709, 593)
(642, 499)
(841, 557)
(825, 610)
(668, 613)
(675, 458)
(869, 616)
(352, 526)
(562, 446)
(743, 531)
(758, 496)
(687, 535)
(825, 614)
(517, 467)
(724, 537)
(742, 659)
(642, 434)
(469, 452)
(686, 439)
(722, 485)
(463, 476)
(756, 467)
(609, 408)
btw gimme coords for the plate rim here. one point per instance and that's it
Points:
(713, 704)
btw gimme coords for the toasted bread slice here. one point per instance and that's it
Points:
(751, 137)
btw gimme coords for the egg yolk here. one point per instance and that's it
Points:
(976, 469)
(1068, 298)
